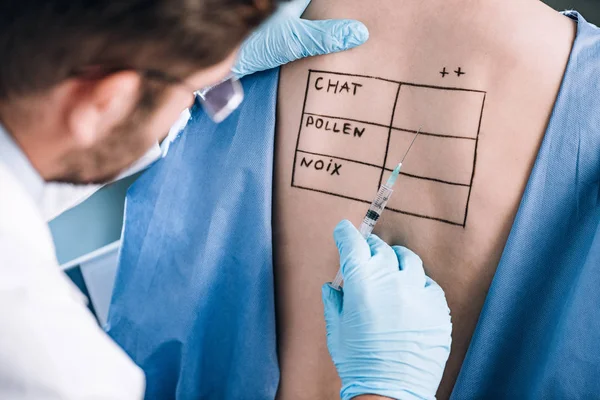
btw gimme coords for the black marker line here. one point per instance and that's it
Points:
(300, 129)
(387, 146)
(474, 162)
(433, 134)
(454, 89)
(433, 179)
(386, 169)
(425, 216)
(339, 158)
(387, 126)
(430, 179)
(387, 208)
(399, 82)
(332, 194)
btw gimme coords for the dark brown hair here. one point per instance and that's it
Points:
(42, 42)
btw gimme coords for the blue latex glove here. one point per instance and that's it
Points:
(285, 37)
(388, 330)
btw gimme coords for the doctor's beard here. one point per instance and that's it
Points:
(118, 150)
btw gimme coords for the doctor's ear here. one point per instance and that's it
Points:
(100, 105)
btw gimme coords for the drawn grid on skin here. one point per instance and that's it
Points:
(390, 128)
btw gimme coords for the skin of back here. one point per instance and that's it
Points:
(340, 130)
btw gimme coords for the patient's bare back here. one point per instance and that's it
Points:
(479, 85)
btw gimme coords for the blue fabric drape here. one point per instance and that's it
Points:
(193, 302)
(538, 336)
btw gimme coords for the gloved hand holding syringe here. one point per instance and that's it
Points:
(377, 207)
(389, 328)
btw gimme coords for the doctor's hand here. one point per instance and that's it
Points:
(388, 330)
(285, 37)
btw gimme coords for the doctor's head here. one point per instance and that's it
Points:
(88, 86)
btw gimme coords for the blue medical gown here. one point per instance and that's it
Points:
(193, 302)
(538, 336)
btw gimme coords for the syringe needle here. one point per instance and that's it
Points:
(411, 144)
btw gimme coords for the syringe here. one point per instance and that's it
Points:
(377, 207)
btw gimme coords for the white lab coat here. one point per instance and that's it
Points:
(51, 347)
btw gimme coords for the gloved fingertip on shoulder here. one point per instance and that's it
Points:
(334, 35)
(350, 33)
